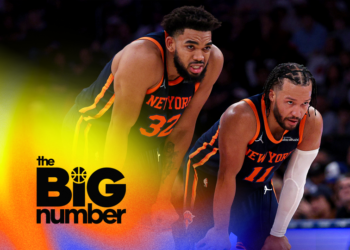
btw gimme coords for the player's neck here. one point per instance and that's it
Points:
(276, 130)
(171, 69)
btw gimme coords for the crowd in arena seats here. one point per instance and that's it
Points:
(71, 41)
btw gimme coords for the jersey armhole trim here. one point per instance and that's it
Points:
(196, 87)
(151, 90)
(301, 129)
(156, 43)
(252, 105)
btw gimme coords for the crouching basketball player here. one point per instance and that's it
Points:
(229, 170)
(140, 115)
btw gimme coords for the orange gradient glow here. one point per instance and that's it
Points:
(33, 117)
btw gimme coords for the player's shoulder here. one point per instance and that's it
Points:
(312, 131)
(240, 109)
(216, 61)
(240, 114)
(314, 120)
(141, 52)
(145, 49)
(216, 55)
(145, 46)
(143, 56)
(238, 123)
(215, 64)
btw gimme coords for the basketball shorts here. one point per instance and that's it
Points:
(252, 213)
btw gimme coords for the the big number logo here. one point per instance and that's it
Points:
(160, 122)
(256, 171)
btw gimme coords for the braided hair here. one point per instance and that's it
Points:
(298, 74)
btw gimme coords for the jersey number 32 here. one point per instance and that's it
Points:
(156, 128)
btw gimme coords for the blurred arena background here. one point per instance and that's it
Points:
(52, 49)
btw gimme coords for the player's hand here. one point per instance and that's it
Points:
(214, 240)
(276, 243)
(163, 215)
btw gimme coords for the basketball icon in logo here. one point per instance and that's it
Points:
(78, 175)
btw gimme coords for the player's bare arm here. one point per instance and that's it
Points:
(312, 131)
(180, 139)
(310, 143)
(237, 127)
(240, 171)
(156, 79)
(134, 70)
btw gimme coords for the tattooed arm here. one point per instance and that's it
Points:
(163, 212)
(169, 159)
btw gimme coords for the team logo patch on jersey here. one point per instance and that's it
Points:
(188, 218)
(205, 181)
(290, 139)
(163, 85)
(260, 138)
(266, 189)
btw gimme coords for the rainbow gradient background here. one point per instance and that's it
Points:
(31, 118)
(32, 109)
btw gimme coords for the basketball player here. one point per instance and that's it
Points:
(141, 111)
(229, 171)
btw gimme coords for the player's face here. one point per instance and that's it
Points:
(192, 52)
(291, 103)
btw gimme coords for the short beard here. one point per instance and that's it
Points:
(183, 72)
(280, 120)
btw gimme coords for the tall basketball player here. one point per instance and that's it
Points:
(229, 170)
(141, 111)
